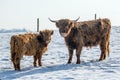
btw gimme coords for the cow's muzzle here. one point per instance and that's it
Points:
(63, 34)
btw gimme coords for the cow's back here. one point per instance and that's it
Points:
(24, 44)
(93, 31)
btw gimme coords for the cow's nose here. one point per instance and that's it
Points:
(47, 42)
(63, 34)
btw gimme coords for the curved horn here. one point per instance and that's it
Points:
(52, 20)
(77, 19)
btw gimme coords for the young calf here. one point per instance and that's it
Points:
(31, 45)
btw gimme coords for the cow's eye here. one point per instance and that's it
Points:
(67, 27)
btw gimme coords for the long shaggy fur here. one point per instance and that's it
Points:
(85, 34)
(29, 44)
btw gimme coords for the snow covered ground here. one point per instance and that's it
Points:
(55, 59)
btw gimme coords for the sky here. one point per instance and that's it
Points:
(24, 13)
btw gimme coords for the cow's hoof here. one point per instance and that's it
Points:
(18, 69)
(35, 65)
(68, 62)
(101, 59)
(40, 64)
(77, 62)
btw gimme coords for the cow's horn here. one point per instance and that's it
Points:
(77, 19)
(52, 20)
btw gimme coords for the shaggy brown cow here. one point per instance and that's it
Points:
(31, 45)
(85, 34)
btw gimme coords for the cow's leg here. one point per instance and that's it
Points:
(103, 47)
(17, 64)
(70, 55)
(13, 59)
(35, 59)
(14, 64)
(39, 59)
(78, 52)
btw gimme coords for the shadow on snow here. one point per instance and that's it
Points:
(12, 74)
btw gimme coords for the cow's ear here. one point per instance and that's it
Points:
(39, 38)
(52, 32)
(57, 24)
(40, 33)
(71, 24)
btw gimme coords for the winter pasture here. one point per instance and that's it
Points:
(55, 59)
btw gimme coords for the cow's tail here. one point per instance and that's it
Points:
(12, 47)
(108, 43)
(108, 23)
(108, 49)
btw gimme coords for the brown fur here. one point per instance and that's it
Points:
(31, 45)
(85, 34)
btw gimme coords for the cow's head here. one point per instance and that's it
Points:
(64, 25)
(44, 36)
